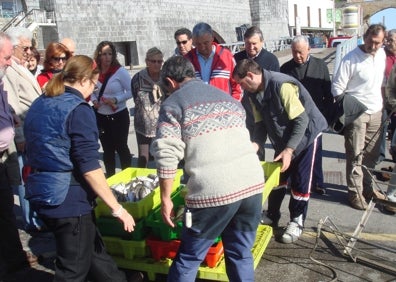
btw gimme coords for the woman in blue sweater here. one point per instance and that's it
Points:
(62, 151)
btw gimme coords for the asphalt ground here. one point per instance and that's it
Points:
(316, 256)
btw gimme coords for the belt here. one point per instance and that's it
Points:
(73, 180)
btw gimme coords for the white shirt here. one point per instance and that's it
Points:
(361, 74)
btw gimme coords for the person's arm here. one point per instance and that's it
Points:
(84, 155)
(98, 183)
(167, 212)
(167, 150)
(341, 79)
(390, 90)
(298, 119)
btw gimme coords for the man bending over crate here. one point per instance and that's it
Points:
(206, 127)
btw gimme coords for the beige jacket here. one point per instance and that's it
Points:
(22, 88)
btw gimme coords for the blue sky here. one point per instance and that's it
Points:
(390, 18)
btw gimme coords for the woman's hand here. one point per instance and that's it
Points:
(123, 216)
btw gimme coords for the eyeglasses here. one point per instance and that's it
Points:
(58, 59)
(181, 42)
(156, 61)
(96, 88)
(26, 48)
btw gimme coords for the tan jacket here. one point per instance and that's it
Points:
(22, 89)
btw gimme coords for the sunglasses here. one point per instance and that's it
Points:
(181, 42)
(58, 59)
(156, 61)
(26, 48)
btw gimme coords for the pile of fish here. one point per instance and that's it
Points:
(136, 189)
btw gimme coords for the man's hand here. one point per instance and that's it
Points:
(167, 212)
(286, 156)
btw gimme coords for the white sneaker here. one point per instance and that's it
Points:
(292, 233)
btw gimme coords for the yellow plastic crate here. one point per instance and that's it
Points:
(272, 174)
(141, 208)
(125, 248)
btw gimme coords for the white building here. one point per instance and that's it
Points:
(311, 17)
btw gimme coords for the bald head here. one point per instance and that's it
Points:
(70, 44)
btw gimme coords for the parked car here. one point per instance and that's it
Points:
(334, 41)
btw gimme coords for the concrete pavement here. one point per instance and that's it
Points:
(313, 257)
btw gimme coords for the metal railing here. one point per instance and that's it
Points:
(34, 18)
(343, 49)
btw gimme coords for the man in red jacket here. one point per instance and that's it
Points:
(213, 63)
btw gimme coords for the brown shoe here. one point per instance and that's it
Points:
(357, 202)
(374, 194)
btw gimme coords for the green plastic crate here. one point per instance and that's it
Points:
(141, 208)
(161, 230)
(110, 226)
(218, 273)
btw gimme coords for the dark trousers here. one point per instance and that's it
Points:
(299, 175)
(80, 252)
(12, 254)
(144, 144)
(318, 167)
(113, 135)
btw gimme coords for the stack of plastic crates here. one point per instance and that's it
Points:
(155, 244)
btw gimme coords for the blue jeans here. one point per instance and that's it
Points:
(30, 218)
(236, 223)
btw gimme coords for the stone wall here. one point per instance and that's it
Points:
(137, 26)
(271, 16)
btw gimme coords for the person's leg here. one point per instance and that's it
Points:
(74, 244)
(370, 155)
(317, 181)
(238, 239)
(106, 139)
(382, 137)
(272, 215)
(143, 150)
(121, 132)
(301, 172)
(11, 249)
(207, 225)
(354, 135)
(103, 268)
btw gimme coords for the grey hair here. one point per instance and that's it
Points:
(300, 39)
(153, 52)
(202, 29)
(3, 38)
(18, 32)
(391, 32)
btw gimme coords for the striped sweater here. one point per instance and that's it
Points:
(207, 128)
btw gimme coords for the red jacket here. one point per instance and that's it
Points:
(221, 71)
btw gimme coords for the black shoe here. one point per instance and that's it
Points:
(320, 190)
(268, 218)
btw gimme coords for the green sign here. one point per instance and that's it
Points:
(338, 15)
(329, 15)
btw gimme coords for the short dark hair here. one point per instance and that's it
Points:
(244, 66)
(182, 31)
(177, 68)
(375, 29)
(253, 30)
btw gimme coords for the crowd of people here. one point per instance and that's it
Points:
(56, 109)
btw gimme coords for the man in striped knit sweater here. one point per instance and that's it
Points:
(206, 127)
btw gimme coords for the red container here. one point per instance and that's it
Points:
(168, 249)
